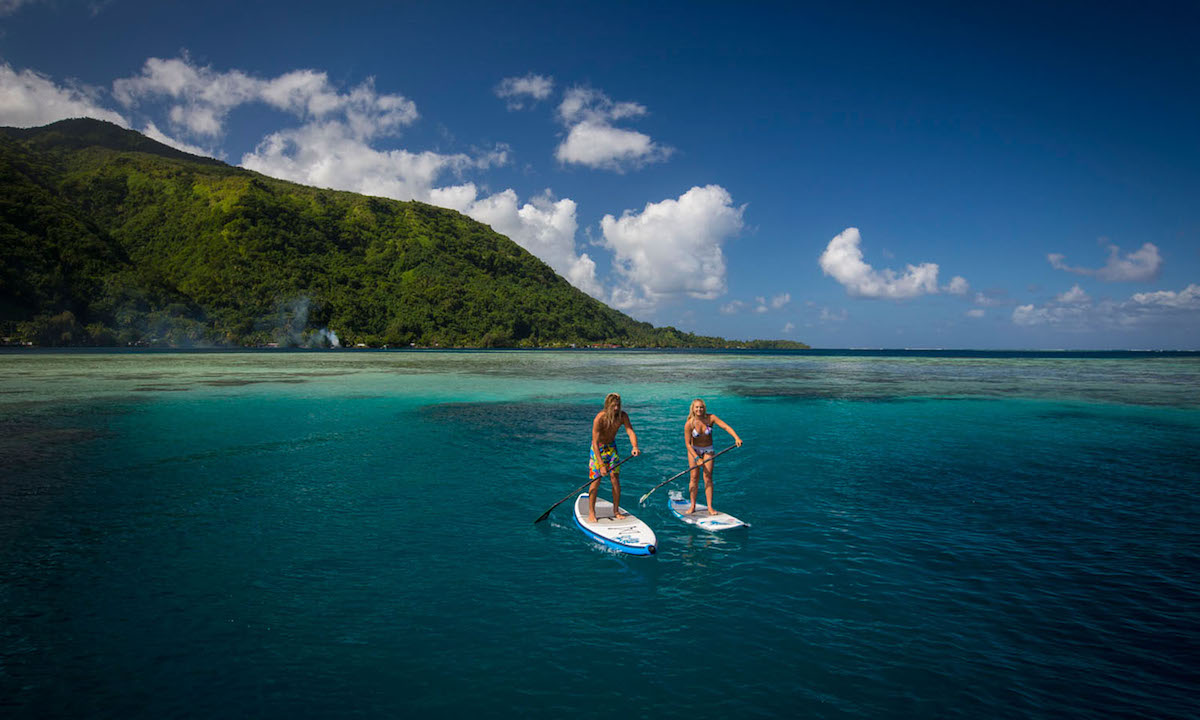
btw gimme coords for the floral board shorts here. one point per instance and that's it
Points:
(608, 453)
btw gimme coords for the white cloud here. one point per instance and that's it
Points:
(788, 328)
(780, 300)
(151, 131)
(1186, 299)
(30, 99)
(544, 226)
(1051, 314)
(602, 146)
(515, 91)
(733, 307)
(333, 155)
(1141, 265)
(958, 286)
(976, 313)
(586, 105)
(991, 298)
(843, 261)
(673, 248)
(594, 142)
(1074, 296)
(1074, 311)
(204, 97)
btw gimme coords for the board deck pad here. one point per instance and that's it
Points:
(628, 535)
(700, 518)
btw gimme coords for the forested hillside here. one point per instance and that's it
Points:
(110, 238)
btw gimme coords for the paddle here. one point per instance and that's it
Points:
(642, 501)
(579, 489)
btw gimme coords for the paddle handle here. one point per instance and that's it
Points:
(642, 501)
(579, 489)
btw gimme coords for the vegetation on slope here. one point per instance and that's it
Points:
(109, 238)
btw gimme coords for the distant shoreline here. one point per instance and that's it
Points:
(962, 353)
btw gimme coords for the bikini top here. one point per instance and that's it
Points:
(707, 430)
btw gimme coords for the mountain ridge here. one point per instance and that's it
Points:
(110, 238)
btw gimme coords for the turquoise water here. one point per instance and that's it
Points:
(350, 534)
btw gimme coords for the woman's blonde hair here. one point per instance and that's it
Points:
(692, 408)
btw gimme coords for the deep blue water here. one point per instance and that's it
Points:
(350, 534)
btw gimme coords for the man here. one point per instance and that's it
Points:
(604, 452)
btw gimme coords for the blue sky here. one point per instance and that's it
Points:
(848, 175)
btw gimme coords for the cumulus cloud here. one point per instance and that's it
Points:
(1052, 314)
(1186, 299)
(976, 312)
(1074, 310)
(587, 105)
(333, 155)
(30, 99)
(544, 226)
(843, 261)
(958, 286)
(673, 248)
(592, 139)
(151, 131)
(202, 97)
(991, 298)
(1137, 266)
(788, 328)
(732, 307)
(603, 146)
(1074, 296)
(517, 91)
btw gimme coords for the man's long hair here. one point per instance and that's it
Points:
(611, 401)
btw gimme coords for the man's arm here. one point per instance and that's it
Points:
(632, 434)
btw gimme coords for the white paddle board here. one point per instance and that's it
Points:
(700, 517)
(627, 535)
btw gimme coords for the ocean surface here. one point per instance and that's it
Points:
(350, 534)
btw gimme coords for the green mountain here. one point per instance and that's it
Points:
(110, 238)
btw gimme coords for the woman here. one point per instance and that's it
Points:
(697, 436)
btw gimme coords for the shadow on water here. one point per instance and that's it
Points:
(249, 449)
(520, 422)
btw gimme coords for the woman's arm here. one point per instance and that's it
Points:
(718, 421)
(687, 442)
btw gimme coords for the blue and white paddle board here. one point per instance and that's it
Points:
(627, 535)
(700, 518)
